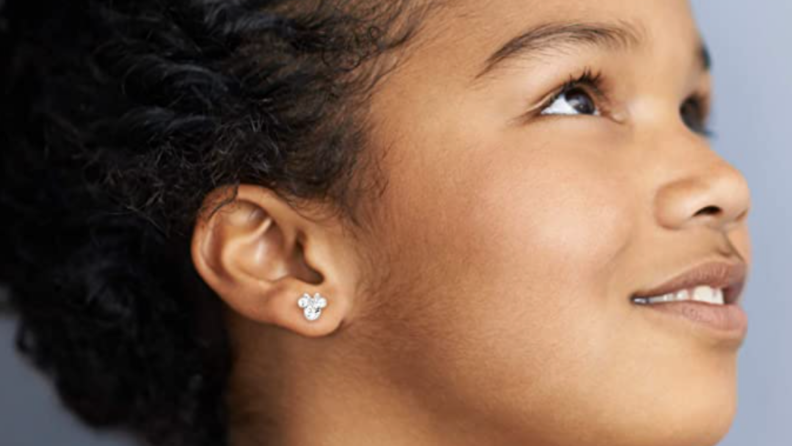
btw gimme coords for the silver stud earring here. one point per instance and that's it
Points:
(312, 306)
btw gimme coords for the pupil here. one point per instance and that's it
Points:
(581, 102)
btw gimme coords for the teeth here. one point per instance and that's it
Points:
(719, 299)
(704, 294)
(683, 295)
(700, 293)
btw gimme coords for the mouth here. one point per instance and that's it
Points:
(715, 283)
(699, 293)
(708, 295)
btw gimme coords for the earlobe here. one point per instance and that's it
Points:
(262, 257)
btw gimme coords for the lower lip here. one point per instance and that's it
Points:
(729, 321)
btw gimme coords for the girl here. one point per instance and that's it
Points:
(357, 222)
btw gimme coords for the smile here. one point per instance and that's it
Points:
(701, 293)
(709, 296)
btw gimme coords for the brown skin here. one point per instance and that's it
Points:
(489, 304)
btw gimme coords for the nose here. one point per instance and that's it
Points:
(711, 192)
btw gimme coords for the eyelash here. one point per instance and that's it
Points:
(593, 83)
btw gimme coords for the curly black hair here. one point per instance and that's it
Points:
(118, 117)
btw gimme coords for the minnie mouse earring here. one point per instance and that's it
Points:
(312, 306)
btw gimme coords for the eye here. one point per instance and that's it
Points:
(694, 114)
(578, 96)
(573, 101)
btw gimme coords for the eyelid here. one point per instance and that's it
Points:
(589, 80)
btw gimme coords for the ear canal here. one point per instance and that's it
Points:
(302, 269)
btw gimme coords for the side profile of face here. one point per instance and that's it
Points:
(532, 188)
(515, 234)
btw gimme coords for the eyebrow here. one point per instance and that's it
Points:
(556, 36)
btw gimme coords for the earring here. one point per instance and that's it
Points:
(312, 306)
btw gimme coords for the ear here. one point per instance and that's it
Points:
(260, 255)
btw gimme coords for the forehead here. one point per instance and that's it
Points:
(467, 32)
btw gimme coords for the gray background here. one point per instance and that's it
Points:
(750, 43)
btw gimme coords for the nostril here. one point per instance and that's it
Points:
(709, 210)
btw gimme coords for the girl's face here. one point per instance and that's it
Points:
(518, 222)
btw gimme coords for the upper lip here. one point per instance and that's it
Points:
(729, 276)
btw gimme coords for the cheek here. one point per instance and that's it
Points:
(540, 250)
(513, 248)
(548, 224)
(563, 219)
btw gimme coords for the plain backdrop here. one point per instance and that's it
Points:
(750, 44)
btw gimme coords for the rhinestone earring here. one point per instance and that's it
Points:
(312, 306)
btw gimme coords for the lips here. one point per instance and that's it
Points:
(730, 277)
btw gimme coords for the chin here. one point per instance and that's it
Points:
(694, 405)
(704, 429)
(688, 417)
